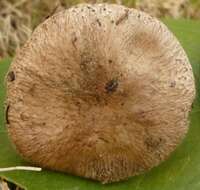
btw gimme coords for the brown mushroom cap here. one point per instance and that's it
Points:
(100, 91)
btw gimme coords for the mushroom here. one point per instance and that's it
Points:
(100, 91)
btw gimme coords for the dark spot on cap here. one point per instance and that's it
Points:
(7, 110)
(182, 6)
(110, 61)
(122, 17)
(184, 78)
(122, 104)
(178, 60)
(97, 97)
(103, 139)
(74, 39)
(4, 15)
(105, 102)
(111, 86)
(62, 4)
(173, 84)
(11, 76)
(153, 144)
(98, 21)
(112, 21)
(47, 17)
(13, 23)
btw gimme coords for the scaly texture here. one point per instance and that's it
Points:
(99, 91)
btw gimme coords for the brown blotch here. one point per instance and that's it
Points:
(122, 17)
(11, 76)
(145, 41)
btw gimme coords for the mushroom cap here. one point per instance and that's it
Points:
(100, 91)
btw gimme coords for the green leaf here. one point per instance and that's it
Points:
(180, 172)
